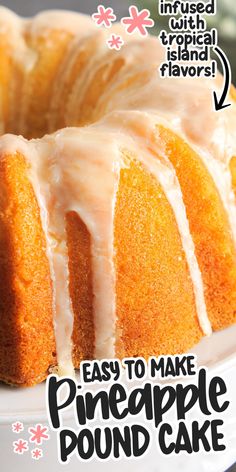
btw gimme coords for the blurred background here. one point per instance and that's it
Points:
(225, 20)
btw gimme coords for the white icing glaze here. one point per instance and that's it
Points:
(88, 186)
(46, 179)
(79, 168)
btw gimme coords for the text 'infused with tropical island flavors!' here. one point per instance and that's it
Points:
(188, 42)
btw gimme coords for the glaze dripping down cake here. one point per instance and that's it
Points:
(117, 206)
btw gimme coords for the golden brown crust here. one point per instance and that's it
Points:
(13, 382)
(27, 346)
(78, 240)
(209, 227)
(153, 286)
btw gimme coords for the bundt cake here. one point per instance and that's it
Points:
(117, 206)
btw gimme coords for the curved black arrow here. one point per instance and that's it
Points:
(219, 103)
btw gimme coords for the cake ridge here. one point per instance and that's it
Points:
(165, 173)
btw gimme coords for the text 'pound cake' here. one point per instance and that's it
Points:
(117, 206)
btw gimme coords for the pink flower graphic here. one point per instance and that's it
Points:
(20, 446)
(104, 16)
(138, 20)
(115, 42)
(38, 433)
(37, 454)
(17, 427)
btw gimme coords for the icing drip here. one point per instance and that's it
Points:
(46, 179)
(171, 187)
(221, 175)
(71, 175)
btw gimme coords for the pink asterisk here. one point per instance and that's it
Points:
(38, 433)
(37, 454)
(115, 42)
(138, 20)
(20, 446)
(17, 427)
(104, 16)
